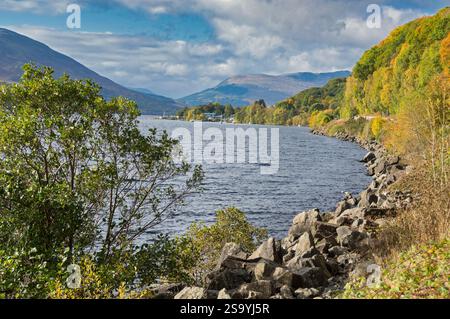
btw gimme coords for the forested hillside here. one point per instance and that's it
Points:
(390, 74)
(395, 77)
(399, 94)
(296, 110)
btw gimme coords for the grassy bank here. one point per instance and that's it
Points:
(422, 271)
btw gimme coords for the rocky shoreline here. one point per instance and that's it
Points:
(321, 250)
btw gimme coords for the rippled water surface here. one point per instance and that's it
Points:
(314, 172)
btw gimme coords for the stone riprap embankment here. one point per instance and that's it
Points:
(320, 251)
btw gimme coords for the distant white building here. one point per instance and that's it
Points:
(212, 116)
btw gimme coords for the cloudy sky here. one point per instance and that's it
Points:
(178, 47)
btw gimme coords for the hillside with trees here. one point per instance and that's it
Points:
(388, 75)
(200, 113)
(391, 86)
(398, 94)
(295, 110)
(400, 86)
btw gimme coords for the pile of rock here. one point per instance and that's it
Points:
(321, 249)
(385, 169)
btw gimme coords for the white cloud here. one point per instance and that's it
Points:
(290, 35)
(158, 10)
(247, 39)
(167, 67)
(36, 6)
(251, 36)
(205, 49)
(177, 69)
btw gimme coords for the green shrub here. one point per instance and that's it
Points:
(376, 126)
(27, 274)
(207, 241)
(320, 118)
(335, 128)
(421, 272)
(24, 274)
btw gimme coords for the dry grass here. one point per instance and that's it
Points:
(428, 220)
(414, 247)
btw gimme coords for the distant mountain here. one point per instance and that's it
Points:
(16, 50)
(142, 90)
(245, 89)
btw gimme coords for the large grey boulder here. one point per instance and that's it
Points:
(352, 238)
(303, 278)
(269, 250)
(311, 277)
(298, 263)
(303, 222)
(368, 197)
(230, 249)
(304, 243)
(283, 276)
(369, 157)
(323, 230)
(232, 273)
(262, 288)
(263, 270)
(192, 293)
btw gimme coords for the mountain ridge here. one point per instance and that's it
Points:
(17, 49)
(242, 90)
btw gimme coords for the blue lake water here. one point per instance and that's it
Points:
(314, 171)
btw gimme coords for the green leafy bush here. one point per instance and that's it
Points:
(376, 126)
(421, 272)
(24, 274)
(231, 226)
